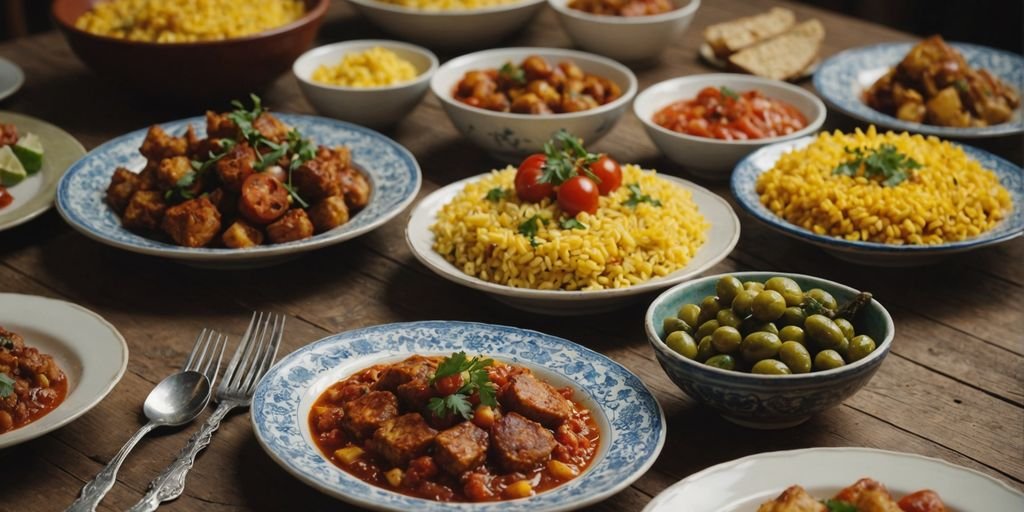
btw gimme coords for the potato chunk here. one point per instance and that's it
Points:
(293, 225)
(123, 184)
(240, 235)
(145, 210)
(171, 171)
(355, 187)
(193, 223)
(328, 213)
(159, 145)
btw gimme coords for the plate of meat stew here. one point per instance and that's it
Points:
(241, 188)
(454, 415)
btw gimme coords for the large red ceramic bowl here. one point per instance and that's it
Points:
(188, 71)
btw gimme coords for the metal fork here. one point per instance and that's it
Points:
(253, 357)
(176, 400)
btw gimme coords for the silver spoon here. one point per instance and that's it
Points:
(176, 400)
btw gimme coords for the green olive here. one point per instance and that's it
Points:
(752, 325)
(823, 331)
(689, 314)
(760, 345)
(827, 360)
(843, 347)
(787, 288)
(860, 347)
(743, 303)
(723, 361)
(682, 343)
(705, 349)
(846, 327)
(753, 286)
(770, 367)
(727, 288)
(792, 333)
(824, 298)
(768, 306)
(706, 329)
(708, 309)
(796, 357)
(729, 317)
(793, 315)
(726, 340)
(672, 324)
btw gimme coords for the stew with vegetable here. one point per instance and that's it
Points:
(721, 113)
(863, 496)
(31, 383)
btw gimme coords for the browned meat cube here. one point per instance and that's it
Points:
(461, 448)
(145, 210)
(171, 171)
(193, 223)
(271, 127)
(147, 177)
(536, 400)
(520, 444)
(414, 368)
(327, 418)
(401, 439)
(159, 145)
(241, 234)
(234, 167)
(293, 225)
(220, 126)
(124, 184)
(355, 187)
(367, 413)
(415, 394)
(316, 180)
(328, 214)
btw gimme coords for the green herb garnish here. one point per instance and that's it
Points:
(886, 163)
(6, 385)
(839, 506)
(636, 196)
(6, 342)
(566, 157)
(572, 223)
(530, 227)
(729, 93)
(512, 73)
(961, 85)
(474, 379)
(497, 194)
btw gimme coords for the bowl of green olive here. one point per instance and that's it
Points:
(768, 350)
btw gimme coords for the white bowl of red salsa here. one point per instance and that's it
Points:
(708, 123)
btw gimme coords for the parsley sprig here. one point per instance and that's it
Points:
(636, 196)
(474, 379)
(886, 163)
(512, 73)
(729, 93)
(6, 342)
(497, 194)
(6, 385)
(530, 227)
(566, 157)
(839, 506)
(572, 223)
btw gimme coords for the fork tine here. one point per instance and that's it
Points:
(202, 356)
(195, 349)
(213, 365)
(268, 356)
(252, 365)
(271, 355)
(252, 351)
(229, 374)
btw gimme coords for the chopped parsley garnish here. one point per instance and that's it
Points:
(6, 342)
(566, 157)
(6, 385)
(512, 73)
(530, 227)
(961, 85)
(497, 194)
(839, 506)
(886, 163)
(729, 93)
(572, 223)
(636, 196)
(474, 378)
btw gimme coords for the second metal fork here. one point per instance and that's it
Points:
(253, 357)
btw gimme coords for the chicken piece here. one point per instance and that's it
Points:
(461, 448)
(367, 413)
(234, 167)
(271, 127)
(530, 103)
(578, 103)
(571, 70)
(158, 145)
(945, 109)
(226, 203)
(241, 234)
(536, 400)
(536, 68)
(317, 179)
(171, 170)
(328, 214)
(401, 439)
(123, 184)
(147, 177)
(193, 223)
(220, 126)
(520, 444)
(793, 499)
(868, 496)
(413, 368)
(293, 225)
(145, 210)
(356, 188)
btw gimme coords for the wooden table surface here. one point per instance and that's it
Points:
(952, 387)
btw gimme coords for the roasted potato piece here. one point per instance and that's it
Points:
(159, 145)
(793, 499)
(220, 126)
(946, 109)
(328, 214)
(145, 210)
(317, 179)
(356, 188)
(294, 225)
(193, 223)
(241, 234)
(234, 167)
(536, 68)
(530, 103)
(123, 184)
(171, 170)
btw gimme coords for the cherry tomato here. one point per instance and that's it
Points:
(530, 171)
(609, 172)
(578, 194)
(922, 501)
(263, 199)
(449, 385)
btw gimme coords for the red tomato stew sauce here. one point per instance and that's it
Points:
(721, 113)
(454, 429)
(31, 383)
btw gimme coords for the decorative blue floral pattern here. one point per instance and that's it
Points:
(744, 184)
(391, 169)
(837, 82)
(623, 403)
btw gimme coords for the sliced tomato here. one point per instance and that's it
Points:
(264, 199)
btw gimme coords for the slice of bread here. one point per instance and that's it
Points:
(732, 36)
(785, 56)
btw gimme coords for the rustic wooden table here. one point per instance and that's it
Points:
(952, 387)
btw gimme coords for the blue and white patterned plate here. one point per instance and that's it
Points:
(631, 420)
(744, 184)
(392, 170)
(842, 79)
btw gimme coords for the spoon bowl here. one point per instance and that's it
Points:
(178, 399)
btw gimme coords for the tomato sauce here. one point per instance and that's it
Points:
(577, 439)
(721, 113)
(5, 197)
(37, 384)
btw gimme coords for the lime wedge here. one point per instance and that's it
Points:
(11, 170)
(30, 151)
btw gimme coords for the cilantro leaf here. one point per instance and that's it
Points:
(6, 342)
(636, 196)
(451, 404)
(566, 157)
(512, 73)
(475, 378)
(885, 163)
(496, 194)
(530, 227)
(6, 385)
(840, 506)
(450, 366)
(572, 223)
(729, 93)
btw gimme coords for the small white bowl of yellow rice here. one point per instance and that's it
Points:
(374, 83)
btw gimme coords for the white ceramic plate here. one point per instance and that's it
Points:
(743, 484)
(91, 352)
(721, 238)
(11, 78)
(34, 195)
